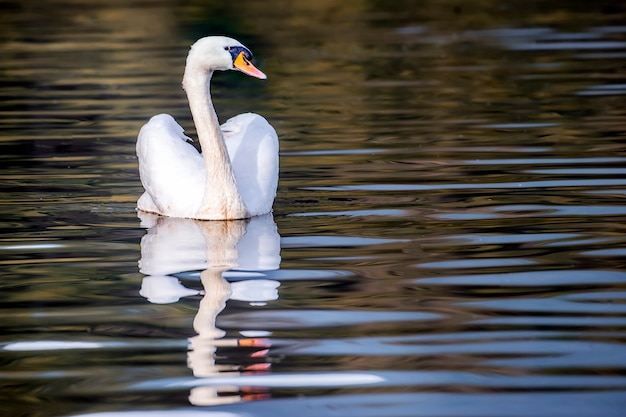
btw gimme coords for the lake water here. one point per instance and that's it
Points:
(448, 237)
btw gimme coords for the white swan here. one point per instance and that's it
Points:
(238, 175)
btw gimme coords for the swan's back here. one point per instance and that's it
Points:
(252, 145)
(174, 175)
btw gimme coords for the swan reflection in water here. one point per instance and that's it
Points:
(237, 249)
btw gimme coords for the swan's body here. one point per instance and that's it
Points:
(236, 175)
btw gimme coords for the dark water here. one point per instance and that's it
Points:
(448, 237)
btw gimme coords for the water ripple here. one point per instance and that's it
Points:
(531, 278)
(468, 186)
(305, 319)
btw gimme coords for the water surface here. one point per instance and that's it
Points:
(448, 237)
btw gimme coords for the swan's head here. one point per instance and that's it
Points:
(222, 53)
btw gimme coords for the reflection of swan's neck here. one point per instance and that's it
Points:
(221, 253)
(221, 197)
(217, 291)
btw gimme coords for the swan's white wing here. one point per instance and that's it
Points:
(252, 146)
(171, 170)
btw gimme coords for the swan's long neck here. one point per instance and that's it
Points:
(221, 199)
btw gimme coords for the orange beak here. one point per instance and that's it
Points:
(245, 66)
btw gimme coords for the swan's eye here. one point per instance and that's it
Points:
(235, 51)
